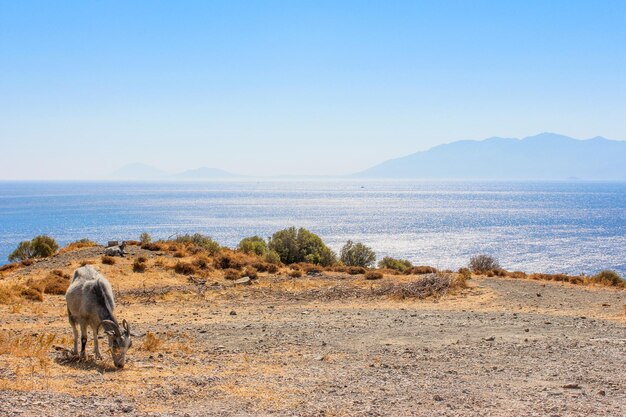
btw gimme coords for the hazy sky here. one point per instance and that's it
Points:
(286, 87)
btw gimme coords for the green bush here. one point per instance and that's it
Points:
(145, 238)
(40, 247)
(300, 245)
(205, 242)
(253, 244)
(357, 254)
(401, 265)
(272, 257)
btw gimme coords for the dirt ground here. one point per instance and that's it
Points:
(309, 347)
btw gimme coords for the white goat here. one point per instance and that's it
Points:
(90, 303)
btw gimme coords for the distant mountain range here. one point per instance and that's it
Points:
(546, 156)
(147, 172)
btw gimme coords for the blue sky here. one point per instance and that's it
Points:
(302, 88)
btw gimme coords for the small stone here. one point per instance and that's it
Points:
(572, 386)
(602, 392)
(490, 339)
(243, 281)
(233, 313)
(526, 330)
(438, 397)
(127, 408)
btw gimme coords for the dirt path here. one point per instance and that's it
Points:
(504, 348)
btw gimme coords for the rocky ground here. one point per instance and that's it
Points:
(502, 347)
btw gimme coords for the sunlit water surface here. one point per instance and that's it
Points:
(541, 226)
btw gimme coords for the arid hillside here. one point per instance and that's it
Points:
(229, 334)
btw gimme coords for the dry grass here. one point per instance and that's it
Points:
(11, 293)
(107, 260)
(152, 342)
(295, 273)
(139, 266)
(56, 282)
(185, 268)
(373, 275)
(79, 244)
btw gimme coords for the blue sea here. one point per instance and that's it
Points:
(570, 227)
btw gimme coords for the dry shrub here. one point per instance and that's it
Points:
(86, 262)
(228, 259)
(9, 267)
(30, 293)
(339, 268)
(421, 270)
(295, 273)
(608, 278)
(313, 269)
(79, 244)
(132, 243)
(142, 259)
(372, 275)
(559, 278)
(356, 270)
(202, 262)
(265, 267)
(152, 342)
(185, 268)
(465, 273)
(498, 272)
(9, 293)
(56, 283)
(180, 253)
(250, 272)
(516, 274)
(139, 265)
(154, 246)
(433, 285)
(108, 260)
(387, 271)
(27, 262)
(483, 263)
(232, 274)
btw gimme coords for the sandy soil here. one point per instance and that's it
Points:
(285, 347)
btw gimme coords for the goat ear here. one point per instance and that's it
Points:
(126, 326)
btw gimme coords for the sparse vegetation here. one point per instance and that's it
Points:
(56, 283)
(401, 265)
(295, 273)
(108, 260)
(609, 278)
(79, 244)
(433, 285)
(421, 270)
(185, 268)
(300, 245)
(465, 273)
(232, 274)
(202, 241)
(41, 246)
(145, 238)
(483, 263)
(357, 254)
(139, 265)
(253, 244)
(373, 275)
(152, 342)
